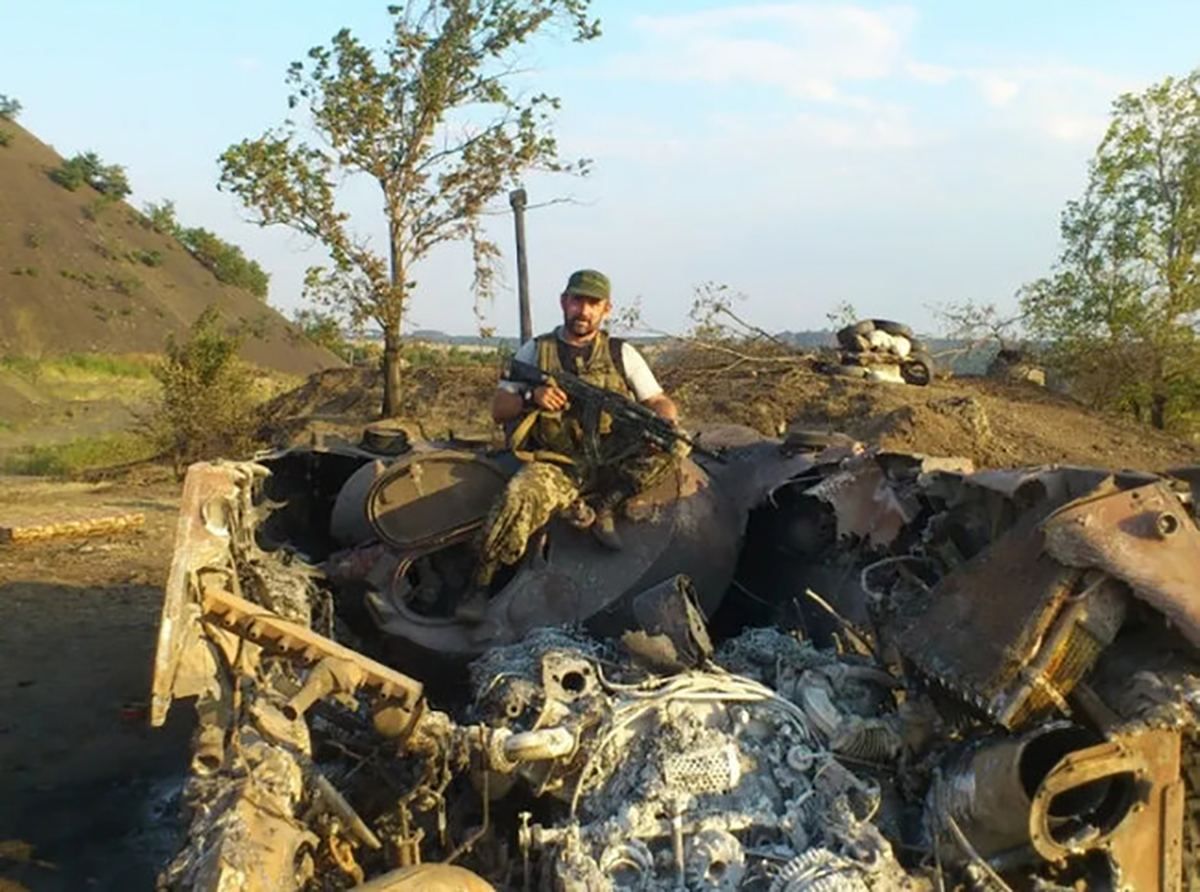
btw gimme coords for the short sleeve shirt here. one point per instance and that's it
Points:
(638, 377)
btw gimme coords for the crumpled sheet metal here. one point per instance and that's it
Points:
(1142, 536)
(864, 502)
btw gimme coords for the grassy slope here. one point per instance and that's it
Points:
(71, 280)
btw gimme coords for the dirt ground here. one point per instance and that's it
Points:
(995, 423)
(88, 793)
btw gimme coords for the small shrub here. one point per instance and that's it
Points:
(101, 247)
(9, 107)
(206, 409)
(29, 271)
(146, 258)
(127, 285)
(93, 210)
(84, 278)
(5, 137)
(34, 236)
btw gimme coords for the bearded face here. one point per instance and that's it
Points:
(583, 316)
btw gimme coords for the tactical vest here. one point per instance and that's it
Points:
(572, 432)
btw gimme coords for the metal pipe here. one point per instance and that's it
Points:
(338, 805)
(517, 200)
(539, 746)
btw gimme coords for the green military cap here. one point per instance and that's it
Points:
(588, 283)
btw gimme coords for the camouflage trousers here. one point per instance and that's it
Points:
(541, 489)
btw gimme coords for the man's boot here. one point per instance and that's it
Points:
(605, 529)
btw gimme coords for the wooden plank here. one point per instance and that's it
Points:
(104, 525)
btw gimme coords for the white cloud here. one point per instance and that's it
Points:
(832, 59)
(997, 90)
(805, 50)
(927, 73)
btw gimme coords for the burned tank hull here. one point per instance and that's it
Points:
(1003, 689)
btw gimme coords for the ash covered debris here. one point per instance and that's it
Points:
(921, 676)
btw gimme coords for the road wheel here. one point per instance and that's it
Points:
(917, 370)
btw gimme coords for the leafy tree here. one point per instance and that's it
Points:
(206, 409)
(161, 217)
(324, 330)
(226, 261)
(10, 108)
(1121, 308)
(87, 168)
(433, 120)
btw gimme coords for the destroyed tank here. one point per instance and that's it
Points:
(814, 668)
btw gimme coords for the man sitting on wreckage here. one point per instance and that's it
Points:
(576, 461)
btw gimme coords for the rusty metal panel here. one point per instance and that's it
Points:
(1144, 841)
(979, 626)
(1142, 536)
(211, 499)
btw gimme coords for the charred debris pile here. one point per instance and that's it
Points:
(920, 676)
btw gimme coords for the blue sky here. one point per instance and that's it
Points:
(895, 156)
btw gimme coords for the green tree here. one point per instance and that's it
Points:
(324, 330)
(10, 108)
(433, 119)
(224, 260)
(161, 217)
(87, 168)
(1120, 310)
(206, 409)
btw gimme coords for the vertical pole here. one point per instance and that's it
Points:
(516, 198)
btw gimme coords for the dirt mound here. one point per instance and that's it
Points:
(81, 276)
(995, 423)
(434, 401)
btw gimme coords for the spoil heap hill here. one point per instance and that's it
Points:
(78, 277)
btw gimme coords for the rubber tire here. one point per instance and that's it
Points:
(917, 370)
(892, 328)
(847, 338)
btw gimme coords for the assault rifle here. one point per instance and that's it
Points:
(624, 412)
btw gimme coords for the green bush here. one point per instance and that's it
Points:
(127, 285)
(324, 330)
(161, 218)
(9, 107)
(5, 137)
(206, 408)
(147, 258)
(226, 261)
(87, 169)
(24, 271)
(84, 278)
